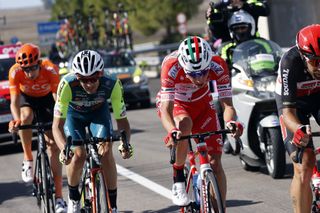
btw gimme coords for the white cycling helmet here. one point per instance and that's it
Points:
(87, 63)
(241, 18)
(194, 54)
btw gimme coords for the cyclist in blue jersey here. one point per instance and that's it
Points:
(82, 101)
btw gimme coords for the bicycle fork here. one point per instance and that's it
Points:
(204, 168)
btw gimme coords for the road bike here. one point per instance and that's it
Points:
(202, 186)
(43, 184)
(315, 179)
(117, 27)
(93, 189)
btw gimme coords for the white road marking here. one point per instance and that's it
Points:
(144, 182)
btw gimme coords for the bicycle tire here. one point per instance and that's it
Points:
(101, 199)
(212, 190)
(47, 205)
(37, 181)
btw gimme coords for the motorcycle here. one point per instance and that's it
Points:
(255, 63)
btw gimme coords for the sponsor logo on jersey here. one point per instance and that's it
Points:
(224, 79)
(216, 68)
(62, 84)
(308, 84)
(206, 122)
(173, 72)
(285, 81)
(36, 87)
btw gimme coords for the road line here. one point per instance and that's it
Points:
(144, 182)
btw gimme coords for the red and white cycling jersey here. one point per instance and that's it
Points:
(193, 101)
(176, 86)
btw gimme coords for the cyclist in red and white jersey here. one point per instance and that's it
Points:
(298, 97)
(185, 106)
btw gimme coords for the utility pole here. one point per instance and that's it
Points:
(4, 22)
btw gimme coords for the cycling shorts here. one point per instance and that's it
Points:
(99, 122)
(204, 119)
(305, 107)
(44, 105)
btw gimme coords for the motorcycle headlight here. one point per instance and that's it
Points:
(265, 86)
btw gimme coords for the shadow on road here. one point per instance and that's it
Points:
(236, 203)
(10, 148)
(13, 190)
(169, 209)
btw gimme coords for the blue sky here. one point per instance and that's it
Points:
(10, 4)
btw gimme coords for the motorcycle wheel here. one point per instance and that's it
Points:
(275, 153)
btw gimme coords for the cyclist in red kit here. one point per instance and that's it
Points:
(185, 105)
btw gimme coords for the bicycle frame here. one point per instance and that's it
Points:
(205, 171)
(43, 185)
(315, 184)
(315, 179)
(92, 170)
(92, 174)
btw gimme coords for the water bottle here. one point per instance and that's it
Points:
(196, 186)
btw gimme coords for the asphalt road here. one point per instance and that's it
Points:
(145, 180)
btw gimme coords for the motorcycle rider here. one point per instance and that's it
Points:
(218, 14)
(241, 28)
(185, 106)
(298, 97)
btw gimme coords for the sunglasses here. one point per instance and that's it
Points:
(312, 59)
(88, 80)
(31, 68)
(197, 74)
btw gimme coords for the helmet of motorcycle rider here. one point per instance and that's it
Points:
(308, 42)
(195, 55)
(241, 26)
(87, 63)
(28, 55)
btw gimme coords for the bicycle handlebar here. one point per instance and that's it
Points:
(122, 136)
(37, 126)
(299, 153)
(200, 136)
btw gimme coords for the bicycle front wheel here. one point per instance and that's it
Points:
(211, 198)
(101, 199)
(47, 202)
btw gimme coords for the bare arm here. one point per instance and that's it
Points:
(58, 132)
(123, 124)
(229, 113)
(54, 95)
(15, 106)
(167, 115)
(290, 119)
